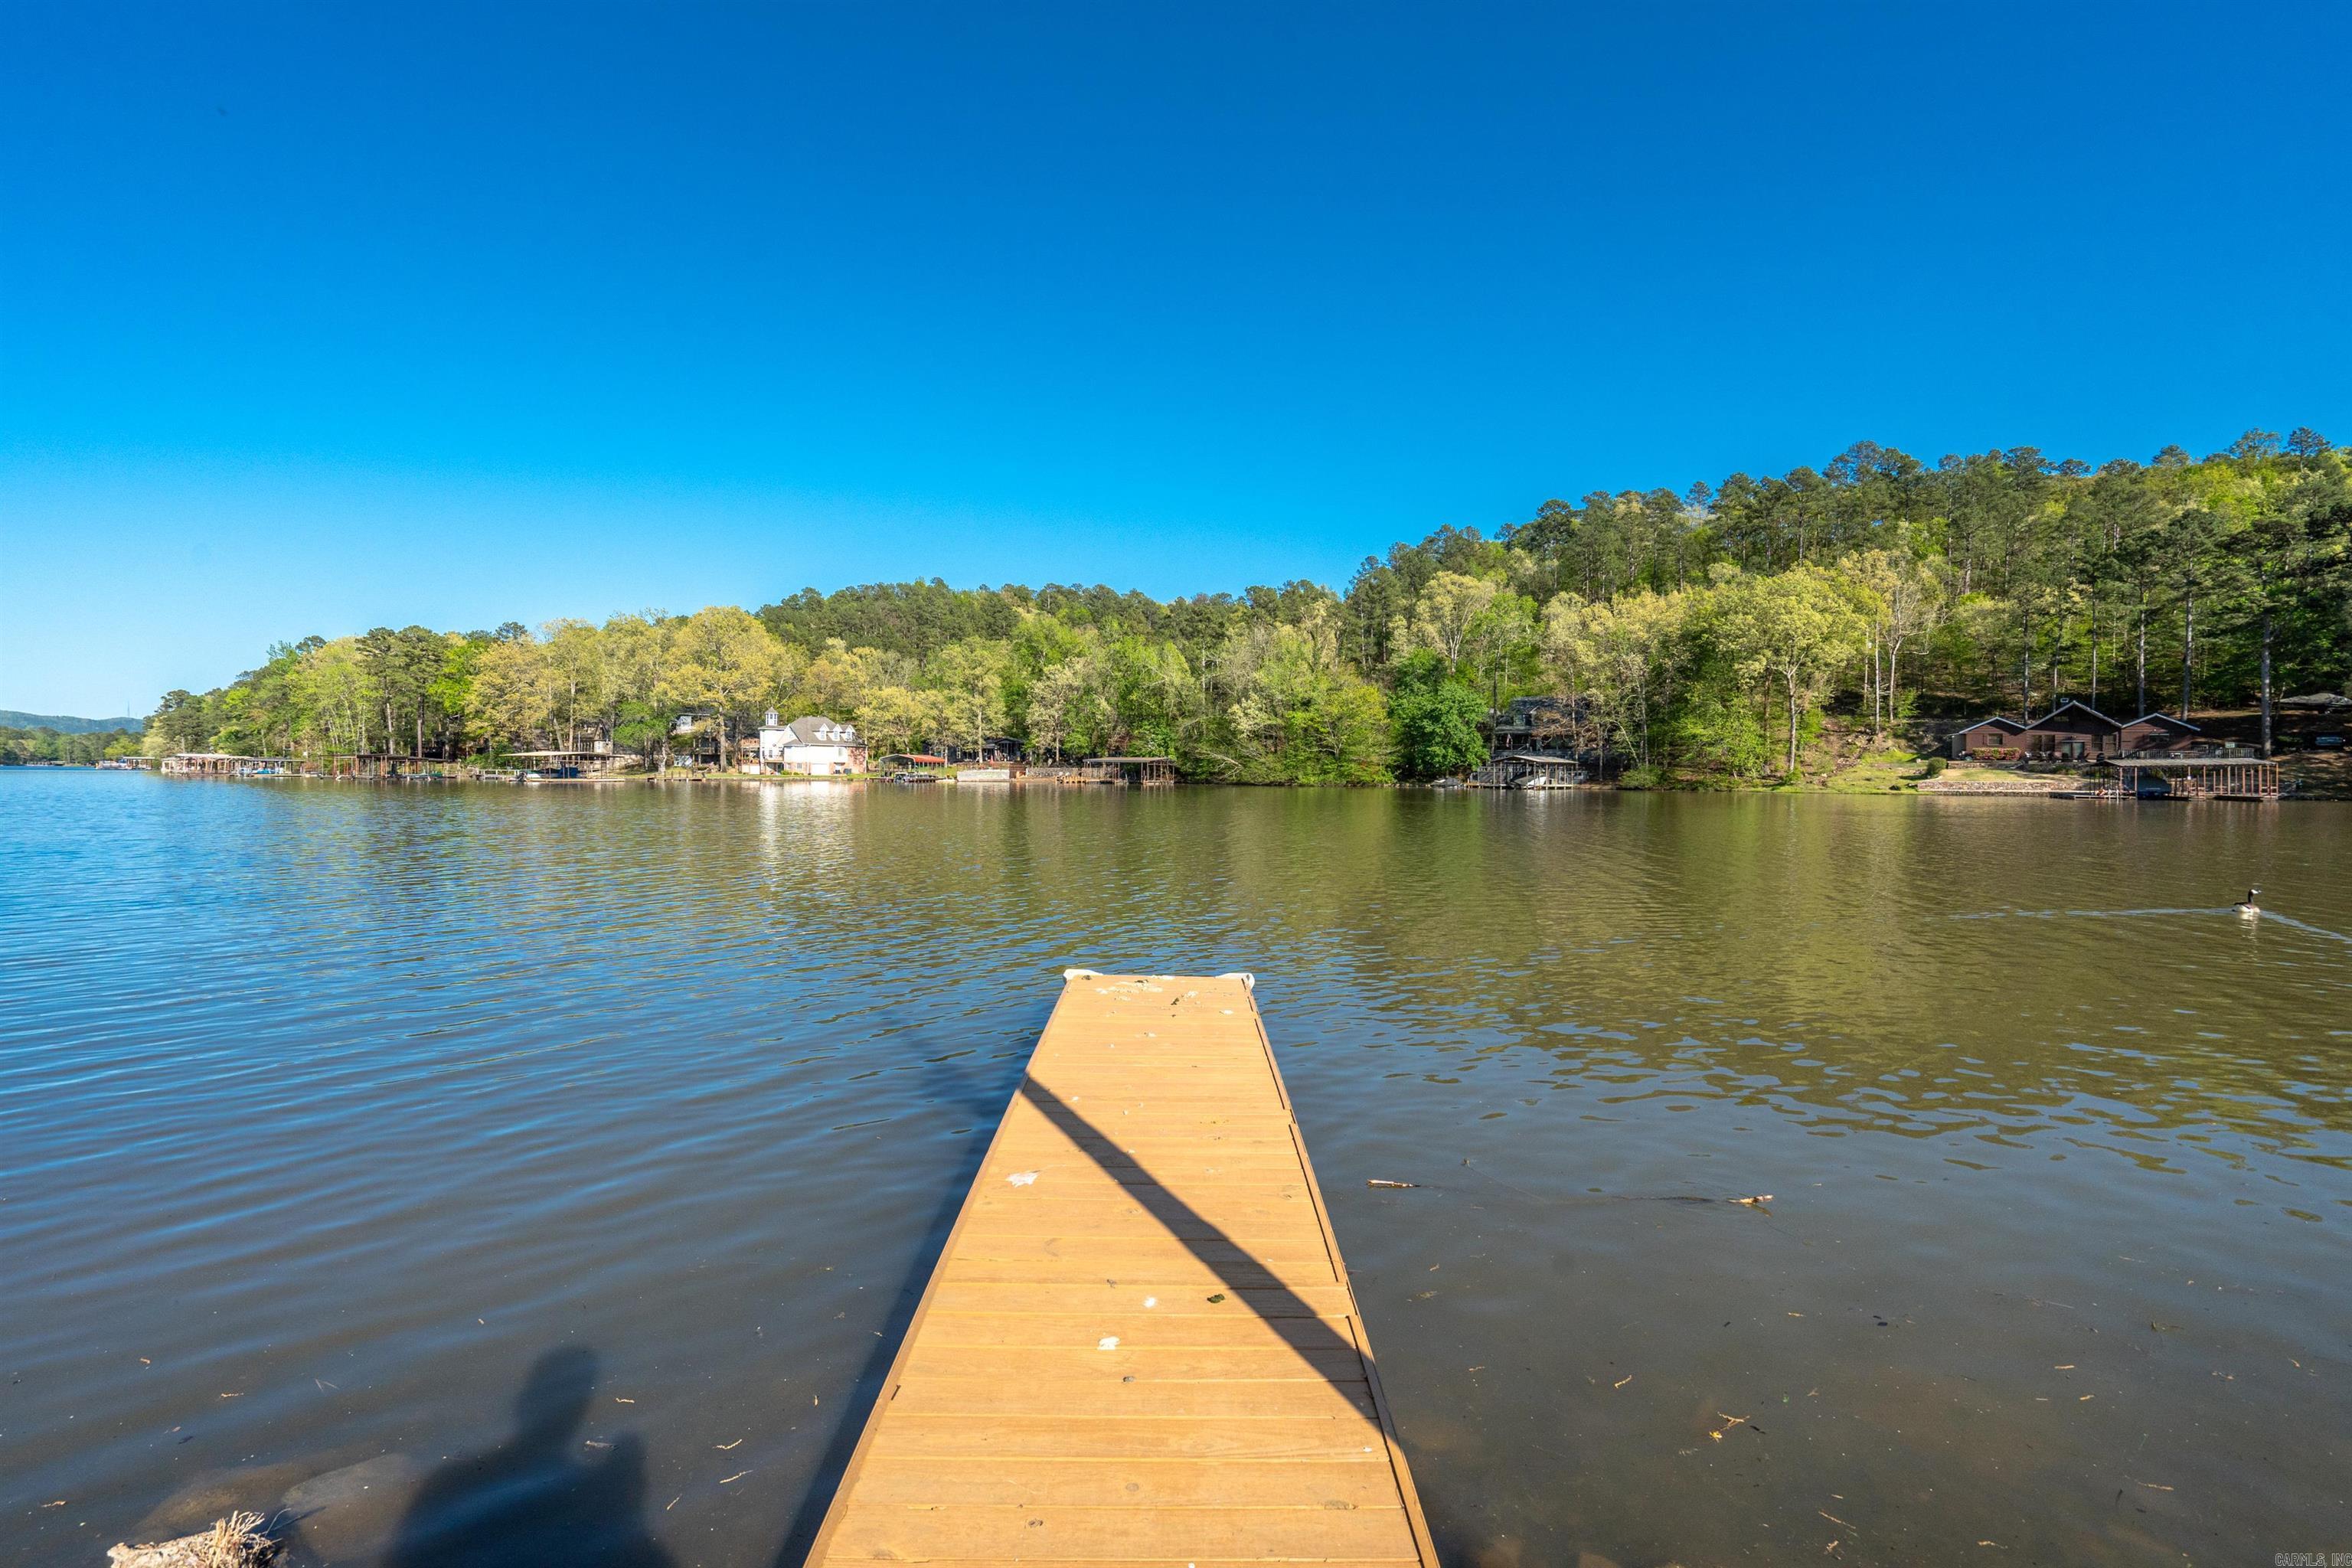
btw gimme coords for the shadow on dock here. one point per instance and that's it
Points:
(1211, 1246)
(1267, 1297)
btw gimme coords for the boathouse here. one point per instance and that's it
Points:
(993, 751)
(380, 766)
(225, 764)
(573, 762)
(2194, 778)
(912, 765)
(2071, 732)
(1528, 769)
(1149, 772)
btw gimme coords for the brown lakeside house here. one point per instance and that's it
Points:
(2073, 732)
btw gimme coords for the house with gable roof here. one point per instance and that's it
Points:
(811, 745)
(2073, 732)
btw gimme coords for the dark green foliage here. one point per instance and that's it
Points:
(21, 744)
(1434, 718)
(2182, 582)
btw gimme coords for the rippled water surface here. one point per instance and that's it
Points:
(558, 1154)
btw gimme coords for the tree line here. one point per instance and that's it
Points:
(22, 745)
(1699, 633)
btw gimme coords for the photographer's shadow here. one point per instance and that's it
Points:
(533, 1499)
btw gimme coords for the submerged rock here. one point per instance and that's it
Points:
(214, 1494)
(349, 1515)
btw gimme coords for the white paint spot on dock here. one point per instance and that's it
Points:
(1023, 1178)
(1107, 1342)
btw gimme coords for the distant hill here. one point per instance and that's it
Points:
(65, 723)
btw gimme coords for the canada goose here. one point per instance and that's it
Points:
(2249, 909)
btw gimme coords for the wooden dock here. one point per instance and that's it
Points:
(1139, 1346)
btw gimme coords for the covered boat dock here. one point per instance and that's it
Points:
(1530, 770)
(2193, 778)
(1143, 771)
(228, 765)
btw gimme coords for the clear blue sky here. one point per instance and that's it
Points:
(319, 316)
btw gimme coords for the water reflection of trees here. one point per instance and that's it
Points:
(1796, 954)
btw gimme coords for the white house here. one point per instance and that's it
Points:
(811, 745)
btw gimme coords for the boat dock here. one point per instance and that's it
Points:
(1139, 1346)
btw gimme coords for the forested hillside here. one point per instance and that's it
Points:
(1704, 632)
(44, 743)
(64, 724)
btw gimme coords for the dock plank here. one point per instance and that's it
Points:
(1140, 1344)
(927, 1480)
(1046, 1533)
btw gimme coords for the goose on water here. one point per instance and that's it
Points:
(2247, 906)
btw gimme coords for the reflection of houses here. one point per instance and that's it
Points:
(808, 745)
(2071, 732)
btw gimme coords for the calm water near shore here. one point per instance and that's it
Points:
(571, 1157)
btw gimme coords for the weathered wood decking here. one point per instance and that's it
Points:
(1139, 1346)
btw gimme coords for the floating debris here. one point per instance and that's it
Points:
(236, 1541)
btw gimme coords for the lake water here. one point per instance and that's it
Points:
(560, 1153)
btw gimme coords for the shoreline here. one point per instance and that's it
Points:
(1981, 783)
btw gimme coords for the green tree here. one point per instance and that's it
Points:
(1434, 718)
(972, 690)
(1795, 629)
(722, 659)
(1068, 707)
(512, 699)
(1444, 614)
(1619, 658)
(576, 674)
